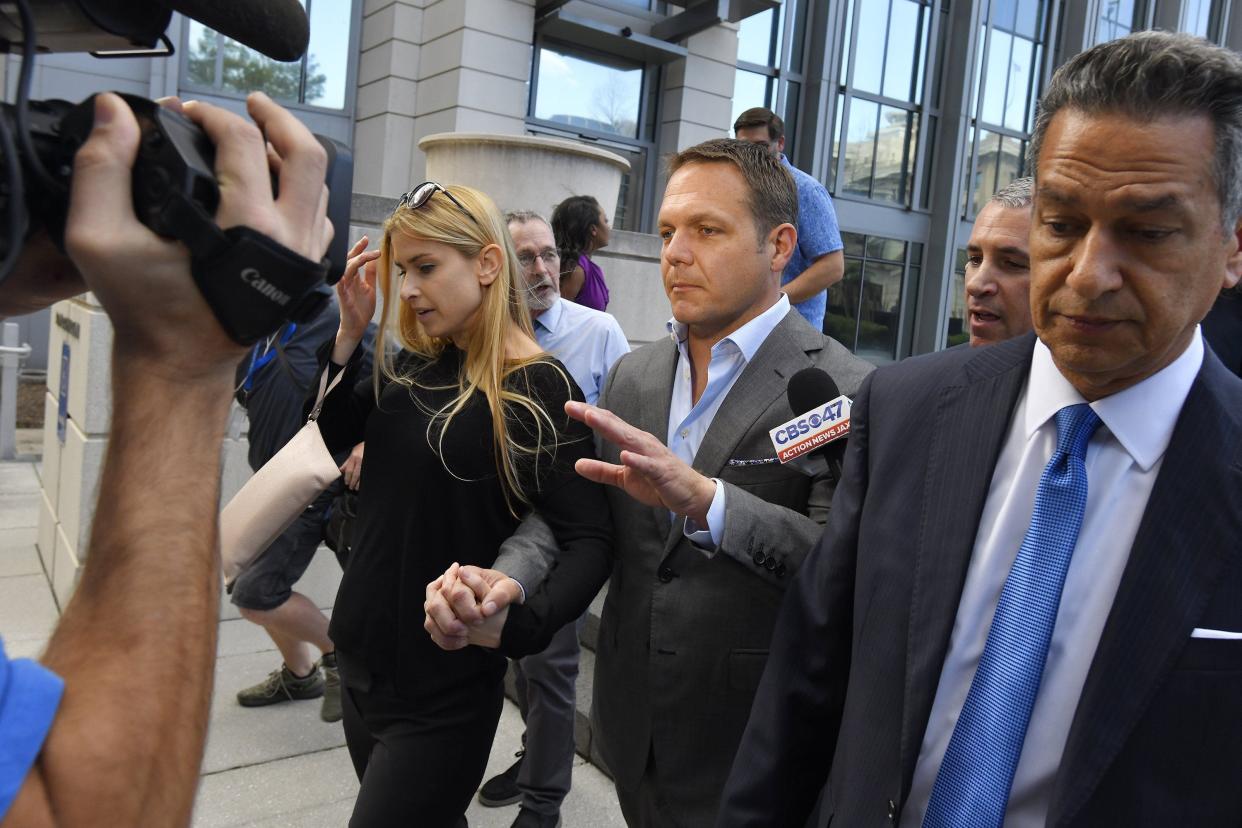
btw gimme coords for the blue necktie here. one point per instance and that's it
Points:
(972, 787)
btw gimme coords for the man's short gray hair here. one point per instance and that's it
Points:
(1149, 75)
(524, 217)
(1017, 193)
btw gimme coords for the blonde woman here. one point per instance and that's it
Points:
(465, 432)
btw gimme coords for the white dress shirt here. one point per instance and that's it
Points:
(585, 340)
(688, 421)
(1123, 459)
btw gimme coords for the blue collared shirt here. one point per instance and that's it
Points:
(29, 696)
(818, 235)
(688, 421)
(588, 342)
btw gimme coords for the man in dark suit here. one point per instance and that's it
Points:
(1025, 610)
(709, 527)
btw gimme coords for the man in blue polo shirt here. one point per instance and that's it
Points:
(817, 262)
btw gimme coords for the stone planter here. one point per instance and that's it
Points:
(524, 172)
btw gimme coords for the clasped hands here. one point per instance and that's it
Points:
(469, 604)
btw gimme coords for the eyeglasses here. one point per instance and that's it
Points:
(419, 196)
(550, 258)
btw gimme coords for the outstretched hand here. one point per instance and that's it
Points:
(649, 472)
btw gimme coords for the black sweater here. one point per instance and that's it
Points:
(418, 513)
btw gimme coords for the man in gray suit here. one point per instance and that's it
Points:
(709, 527)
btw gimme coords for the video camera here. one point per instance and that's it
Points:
(251, 283)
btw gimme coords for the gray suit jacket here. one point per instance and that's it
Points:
(684, 635)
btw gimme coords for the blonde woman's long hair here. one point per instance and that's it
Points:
(486, 368)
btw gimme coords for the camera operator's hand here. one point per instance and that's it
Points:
(143, 281)
(41, 277)
(150, 588)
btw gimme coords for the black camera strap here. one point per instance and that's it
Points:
(252, 283)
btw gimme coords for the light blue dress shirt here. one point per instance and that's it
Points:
(688, 421)
(588, 342)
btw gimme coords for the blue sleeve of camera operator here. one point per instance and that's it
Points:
(29, 696)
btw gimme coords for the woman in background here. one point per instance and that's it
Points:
(581, 228)
(465, 431)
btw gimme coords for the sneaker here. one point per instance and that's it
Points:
(331, 710)
(282, 685)
(502, 788)
(527, 818)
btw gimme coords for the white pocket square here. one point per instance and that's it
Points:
(1200, 632)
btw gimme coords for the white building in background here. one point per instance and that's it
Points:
(911, 111)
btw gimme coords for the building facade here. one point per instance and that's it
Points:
(912, 112)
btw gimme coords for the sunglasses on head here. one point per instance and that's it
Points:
(421, 194)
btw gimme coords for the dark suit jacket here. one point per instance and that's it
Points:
(683, 637)
(1156, 737)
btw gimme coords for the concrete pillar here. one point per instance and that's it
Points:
(428, 67)
(77, 418)
(698, 92)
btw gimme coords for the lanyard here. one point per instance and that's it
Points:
(259, 360)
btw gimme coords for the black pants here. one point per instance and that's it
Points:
(421, 761)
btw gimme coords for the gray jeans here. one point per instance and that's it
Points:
(545, 695)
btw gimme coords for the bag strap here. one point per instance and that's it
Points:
(325, 388)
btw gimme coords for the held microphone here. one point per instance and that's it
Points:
(815, 434)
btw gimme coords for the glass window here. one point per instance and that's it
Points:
(628, 213)
(869, 61)
(1021, 76)
(841, 315)
(1196, 17)
(1028, 19)
(749, 89)
(881, 139)
(879, 311)
(755, 41)
(985, 169)
(328, 53)
(601, 94)
(1117, 19)
(957, 332)
(996, 80)
(321, 78)
(865, 308)
(894, 155)
(200, 62)
(860, 146)
(902, 50)
(1006, 90)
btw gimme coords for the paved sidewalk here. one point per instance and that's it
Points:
(276, 766)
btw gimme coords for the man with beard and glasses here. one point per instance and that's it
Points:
(588, 342)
